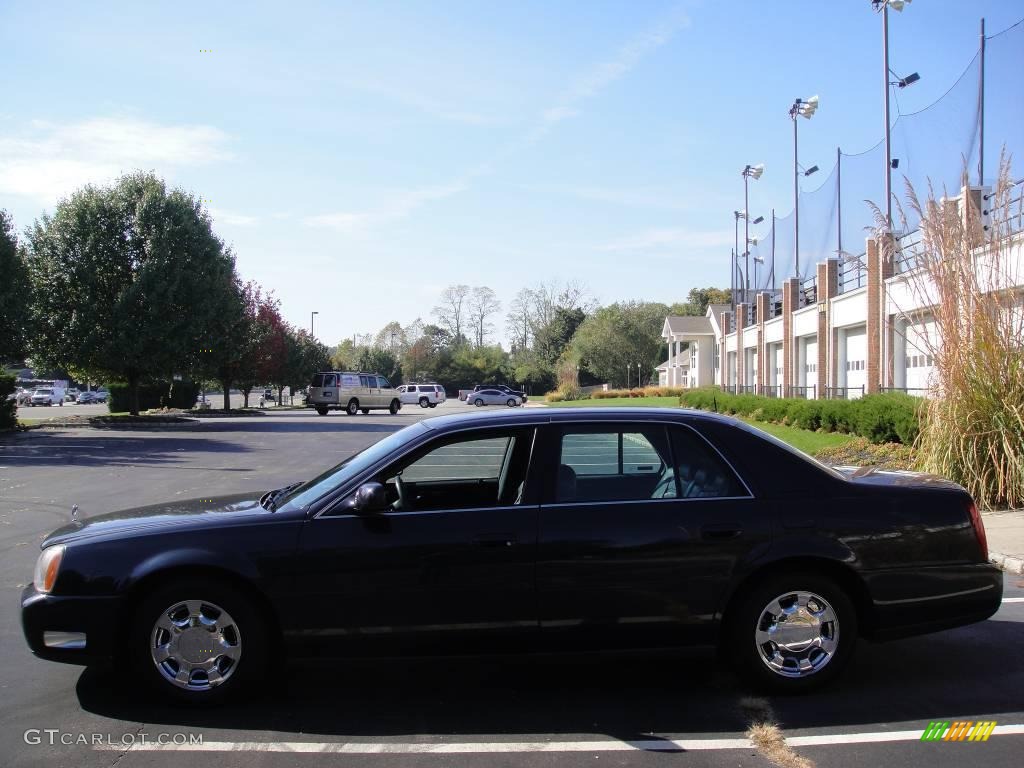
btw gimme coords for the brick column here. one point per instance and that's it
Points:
(723, 360)
(790, 291)
(741, 363)
(879, 324)
(762, 357)
(828, 289)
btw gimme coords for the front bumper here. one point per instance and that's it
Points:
(53, 623)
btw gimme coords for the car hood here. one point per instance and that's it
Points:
(177, 514)
(896, 477)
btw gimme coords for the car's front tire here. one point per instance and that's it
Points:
(511, 402)
(791, 632)
(394, 407)
(198, 642)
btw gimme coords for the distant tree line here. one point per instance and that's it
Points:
(129, 283)
(555, 331)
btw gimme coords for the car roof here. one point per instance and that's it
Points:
(568, 415)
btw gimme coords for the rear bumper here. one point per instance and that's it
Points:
(914, 602)
(54, 625)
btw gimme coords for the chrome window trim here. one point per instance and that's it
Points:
(502, 508)
(643, 501)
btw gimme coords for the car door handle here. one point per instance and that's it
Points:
(721, 532)
(495, 540)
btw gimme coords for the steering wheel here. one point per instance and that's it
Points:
(403, 498)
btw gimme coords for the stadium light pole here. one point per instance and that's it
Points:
(883, 6)
(749, 172)
(801, 108)
(311, 316)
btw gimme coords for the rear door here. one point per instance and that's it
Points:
(643, 526)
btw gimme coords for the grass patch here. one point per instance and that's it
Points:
(803, 439)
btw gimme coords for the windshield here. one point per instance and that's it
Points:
(340, 474)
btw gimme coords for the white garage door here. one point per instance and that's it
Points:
(921, 341)
(810, 374)
(856, 359)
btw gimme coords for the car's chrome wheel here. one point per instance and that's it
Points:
(797, 634)
(196, 645)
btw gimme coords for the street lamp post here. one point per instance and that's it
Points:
(311, 316)
(802, 108)
(628, 367)
(749, 172)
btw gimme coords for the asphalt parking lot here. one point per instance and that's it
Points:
(628, 710)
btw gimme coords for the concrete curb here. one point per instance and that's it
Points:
(1008, 563)
(125, 427)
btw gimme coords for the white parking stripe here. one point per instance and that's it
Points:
(1013, 599)
(508, 747)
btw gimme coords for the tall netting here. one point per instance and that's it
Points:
(933, 148)
(1004, 100)
(862, 180)
(936, 144)
(818, 232)
(784, 251)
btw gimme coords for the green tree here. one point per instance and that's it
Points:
(381, 361)
(551, 339)
(699, 299)
(621, 335)
(14, 293)
(127, 281)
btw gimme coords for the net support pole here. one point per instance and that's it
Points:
(981, 109)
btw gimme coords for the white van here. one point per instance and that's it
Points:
(352, 392)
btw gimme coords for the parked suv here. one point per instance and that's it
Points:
(427, 395)
(352, 392)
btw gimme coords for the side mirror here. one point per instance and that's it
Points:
(370, 497)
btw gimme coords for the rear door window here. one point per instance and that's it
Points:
(703, 473)
(631, 463)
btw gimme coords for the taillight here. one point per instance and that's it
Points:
(979, 529)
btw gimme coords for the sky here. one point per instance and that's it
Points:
(359, 157)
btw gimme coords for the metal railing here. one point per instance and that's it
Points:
(808, 293)
(770, 390)
(746, 389)
(908, 249)
(808, 391)
(842, 393)
(751, 315)
(853, 274)
(1014, 210)
(905, 390)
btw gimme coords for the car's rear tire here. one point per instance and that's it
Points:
(353, 407)
(394, 407)
(198, 641)
(322, 411)
(791, 632)
(424, 403)
(478, 402)
(433, 405)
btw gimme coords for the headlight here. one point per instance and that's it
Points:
(47, 568)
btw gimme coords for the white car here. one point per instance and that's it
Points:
(493, 397)
(47, 396)
(426, 395)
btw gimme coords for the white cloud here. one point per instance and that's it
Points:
(398, 205)
(235, 219)
(47, 160)
(668, 239)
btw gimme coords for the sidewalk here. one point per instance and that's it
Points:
(1005, 532)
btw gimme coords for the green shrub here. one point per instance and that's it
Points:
(860, 452)
(888, 418)
(154, 395)
(8, 408)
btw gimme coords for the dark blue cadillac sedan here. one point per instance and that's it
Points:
(522, 530)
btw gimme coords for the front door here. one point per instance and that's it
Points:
(451, 563)
(643, 525)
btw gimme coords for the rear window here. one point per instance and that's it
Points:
(318, 380)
